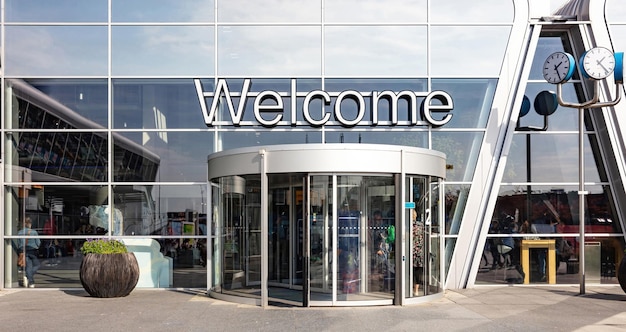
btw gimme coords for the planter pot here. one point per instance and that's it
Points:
(621, 273)
(109, 275)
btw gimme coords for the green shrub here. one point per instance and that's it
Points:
(103, 246)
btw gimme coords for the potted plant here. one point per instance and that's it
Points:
(108, 269)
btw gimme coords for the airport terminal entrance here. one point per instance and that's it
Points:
(323, 238)
(348, 247)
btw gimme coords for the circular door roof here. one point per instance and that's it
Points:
(327, 158)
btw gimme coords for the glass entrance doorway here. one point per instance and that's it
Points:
(286, 238)
(352, 238)
(356, 239)
(324, 238)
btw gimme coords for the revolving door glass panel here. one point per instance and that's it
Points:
(238, 236)
(285, 238)
(352, 246)
(423, 234)
(320, 206)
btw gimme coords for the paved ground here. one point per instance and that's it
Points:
(519, 308)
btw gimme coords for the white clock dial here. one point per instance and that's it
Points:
(598, 63)
(558, 67)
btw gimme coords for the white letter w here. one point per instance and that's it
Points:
(222, 87)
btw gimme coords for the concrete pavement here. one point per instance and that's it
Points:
(485, 308)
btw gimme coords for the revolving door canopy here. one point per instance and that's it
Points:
(262, 248)
(327, 158)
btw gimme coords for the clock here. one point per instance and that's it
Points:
(558, 67)
(597, 63)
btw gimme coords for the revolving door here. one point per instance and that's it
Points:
(317, 226)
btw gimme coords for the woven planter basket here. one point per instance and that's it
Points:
(109, 275)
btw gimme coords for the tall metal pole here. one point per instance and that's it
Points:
(581, 198)
(594, 102)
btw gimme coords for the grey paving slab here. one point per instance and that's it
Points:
(500, 309)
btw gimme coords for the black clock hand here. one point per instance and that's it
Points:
(599, 62)
(556, 69)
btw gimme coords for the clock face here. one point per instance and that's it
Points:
(598, 63)
(558, 67)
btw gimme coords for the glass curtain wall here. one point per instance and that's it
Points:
(537, 207)
(109, 140)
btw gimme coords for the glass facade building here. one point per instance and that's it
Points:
(253, 145)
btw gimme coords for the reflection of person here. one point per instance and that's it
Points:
(348, 270)
(31, 248)
(418, 252)
(510, 247)
(496, 260)
(380, 248)
(541, 226)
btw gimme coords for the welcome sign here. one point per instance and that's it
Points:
(269, 106)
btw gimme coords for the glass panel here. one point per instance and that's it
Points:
(56, 50)
(366, 262)
(450, 243)
(455, 202)
(461, 151)
(376, 84)
(162, 50)
(186, 257)
(156, 104)
(240, 231)
(557, 204)
(351, 256)
(270, 11)
(181, 209)
(285, 237)
(553, 158)
(375, 11)
(388, 51)
(321, 255)
(500, 263)
(162, 11)
(216, 237)
(61, 156)
(232, 139)
(548, 44)
(463, 11)
(74, 103)
(179, 158)
(270, 51)
(56, 11)
(448, 42)
(473, 99)
(53, 268)
(416, 221)
(406, 138)
(57, 210)
(380, 241)
(435, 282)
(563, 118)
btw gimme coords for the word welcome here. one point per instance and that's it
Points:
(269, 107)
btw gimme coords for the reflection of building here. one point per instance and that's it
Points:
(124, 125)
(77, 154)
